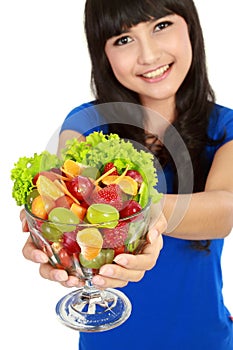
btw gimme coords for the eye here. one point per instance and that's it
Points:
(122, 41)
(162, 25)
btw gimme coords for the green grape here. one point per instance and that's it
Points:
(104, 214)
(64, 219)
(31, 196)
(50, 232)
(105, 256)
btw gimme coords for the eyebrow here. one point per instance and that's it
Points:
(126, 30)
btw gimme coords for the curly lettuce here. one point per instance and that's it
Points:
(24, 171)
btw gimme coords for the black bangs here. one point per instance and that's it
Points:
(123, 14)
(115, 16)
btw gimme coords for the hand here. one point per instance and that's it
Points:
(127, 268)
(131, 268)
(30, 252)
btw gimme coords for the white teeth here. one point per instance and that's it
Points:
(157, 72)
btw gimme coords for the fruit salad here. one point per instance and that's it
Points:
(91, 204)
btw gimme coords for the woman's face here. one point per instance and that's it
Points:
(152, 58)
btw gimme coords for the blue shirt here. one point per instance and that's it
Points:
(179, 303)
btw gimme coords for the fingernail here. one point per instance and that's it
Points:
(40, 258)
(121, 260)
(106, 271)
(60, 276)
(72, 283)
(98, 281)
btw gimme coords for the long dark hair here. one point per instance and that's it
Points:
(195, 97)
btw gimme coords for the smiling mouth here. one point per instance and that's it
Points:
(156, 73)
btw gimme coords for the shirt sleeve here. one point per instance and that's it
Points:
(228, 125)
(221, 125)
(84, 119)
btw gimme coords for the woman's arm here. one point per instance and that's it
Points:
(209, 214)
(68, 135)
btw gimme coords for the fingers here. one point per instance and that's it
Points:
(22, 215)
(129, 268)
(158, 220)
(23, 220)
(116, 276)
(31, 253)
(48, 272)
(150, 255)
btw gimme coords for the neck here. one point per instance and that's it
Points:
(160, 114)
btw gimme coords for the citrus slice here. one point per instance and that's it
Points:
(90, 241)
(38, 207)
(127, 184)
(71, 168)
(46, 187)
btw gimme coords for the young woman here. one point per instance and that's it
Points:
(151, 53)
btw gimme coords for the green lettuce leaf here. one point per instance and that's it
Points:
(24, 171)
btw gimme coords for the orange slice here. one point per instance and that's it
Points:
(71, 168)
(46, 187)
(38, 208)
(126, 183)
(78, 210)
(90, 241)
(104, 175)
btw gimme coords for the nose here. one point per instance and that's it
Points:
(148, 51)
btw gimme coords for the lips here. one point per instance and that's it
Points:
(156, 73)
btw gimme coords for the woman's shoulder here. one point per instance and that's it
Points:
(221, 116)
(84, 119)
(81, 107)
(219, 111)
(221, 122)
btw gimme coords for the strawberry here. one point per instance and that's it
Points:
(108, 167)
(111, 194)
(115, 237)
(131, 207)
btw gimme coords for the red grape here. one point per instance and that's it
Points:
(69, 242)
(80, 187)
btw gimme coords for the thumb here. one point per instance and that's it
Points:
(152, 235)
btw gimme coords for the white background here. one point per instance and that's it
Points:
(44, 73)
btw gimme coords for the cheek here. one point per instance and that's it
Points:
(181, 50)
(186, 59)
(119, 66)
(120, 63)
(185, 48)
